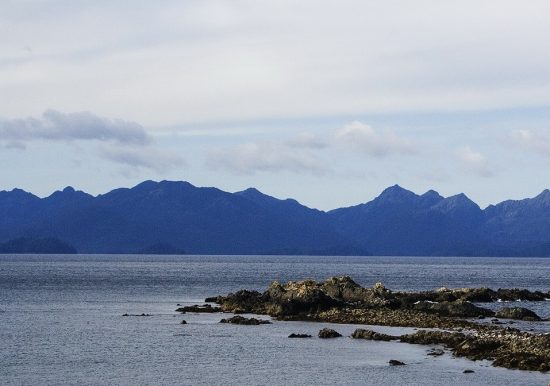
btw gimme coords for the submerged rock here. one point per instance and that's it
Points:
(237, 319)
(436, 352)
(326, 333)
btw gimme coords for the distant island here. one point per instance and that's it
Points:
(170, 217)
(49, 245)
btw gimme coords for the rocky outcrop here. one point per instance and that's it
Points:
(327, 333)
(342, 300)
(519, 313)
(237, 319)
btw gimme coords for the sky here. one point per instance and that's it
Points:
(327, 102)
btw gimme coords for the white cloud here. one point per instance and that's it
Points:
(532, 141)
(57, 126)
(366, 140)
(272, 156)
(116, 140)
(184, 62)
(474, 161)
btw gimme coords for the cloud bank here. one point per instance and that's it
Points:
(308, 152)
(84, 126)
(123, 142)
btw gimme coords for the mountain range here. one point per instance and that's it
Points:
(175, 217)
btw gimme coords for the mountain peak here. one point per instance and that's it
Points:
(395, 192)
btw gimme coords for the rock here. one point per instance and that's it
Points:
(517, 313)
(371, 335)
(435, 352)
(237, 319)
(458, 308)
(394, 362)
(476, 348)
(205, 308)
(519, 294)
(183, 322)
(302, 297)
(293, 335)
(468, 371)
(326, 333)
(449, 339)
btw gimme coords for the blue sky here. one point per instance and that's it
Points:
(326, 102)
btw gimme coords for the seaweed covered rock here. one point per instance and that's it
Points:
(237, 319)
(449, 339)
(458, 308)
(519, 313)
(205, 308)
(361, 333)
(327, 333)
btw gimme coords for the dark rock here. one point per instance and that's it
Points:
(326, 333)
(459, 308)
(371, 335)
(237, 319)
(435, 352)
(468, 371)
(514, 294)
(205, 308)
(394, 362)
(183, 322)
(517, 313)
(293, 335)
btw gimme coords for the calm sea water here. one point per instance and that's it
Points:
(61, 321)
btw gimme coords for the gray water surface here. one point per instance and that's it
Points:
(61, 321)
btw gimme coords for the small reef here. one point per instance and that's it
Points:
(450, 314)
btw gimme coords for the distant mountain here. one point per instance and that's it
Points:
(172, 217)
(29, 245)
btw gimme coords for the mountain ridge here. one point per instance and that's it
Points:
(207, 220)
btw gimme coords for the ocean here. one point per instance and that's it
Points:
(61, 321)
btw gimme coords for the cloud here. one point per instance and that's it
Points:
(143, 158)
(308, 141)
(116, 140)
(474, 161)
(272, 156)
(81, 126)
(365, 139)
(532, 141)
(195, 61)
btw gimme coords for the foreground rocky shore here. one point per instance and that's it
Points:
(449, 311)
